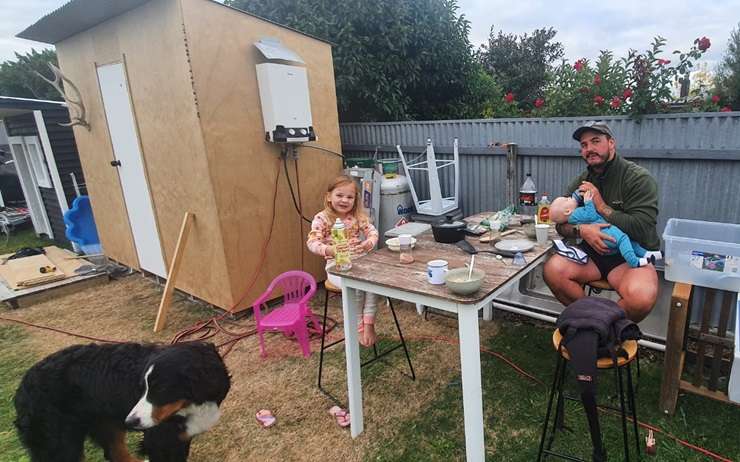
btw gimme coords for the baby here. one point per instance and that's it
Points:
(567, 210)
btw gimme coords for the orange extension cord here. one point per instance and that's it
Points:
(240, 335)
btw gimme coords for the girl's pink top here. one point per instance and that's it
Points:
(319, 238)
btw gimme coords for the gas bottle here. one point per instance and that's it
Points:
(341, 246)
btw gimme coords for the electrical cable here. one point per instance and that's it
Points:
(237, 336)
(300, 209)
(323, 149)
(210, 327)
(290, 186)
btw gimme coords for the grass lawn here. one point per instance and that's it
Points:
(22, 237)
(404, 420)
(514, 409)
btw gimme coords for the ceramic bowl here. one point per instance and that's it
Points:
(393, 245)
(457, 281)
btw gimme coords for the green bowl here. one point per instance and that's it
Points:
(457, 280)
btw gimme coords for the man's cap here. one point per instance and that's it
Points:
(594, 126)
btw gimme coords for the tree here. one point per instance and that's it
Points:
(393, 59)
(521, 64)
(17, 78)
(727, 80)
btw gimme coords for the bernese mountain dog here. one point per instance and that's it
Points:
(171, 393)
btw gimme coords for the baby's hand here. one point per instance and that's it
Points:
(367, 245)
(588, 196)
(330, 251)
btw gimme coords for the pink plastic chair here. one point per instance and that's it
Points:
(297, 287)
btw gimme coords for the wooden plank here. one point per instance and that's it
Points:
(24, 272)
(706, 318)
(705, 392)
(724, 318)
(673, 360)
(164, 305)
(64, 287)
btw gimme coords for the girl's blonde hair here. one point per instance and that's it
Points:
(358, 211)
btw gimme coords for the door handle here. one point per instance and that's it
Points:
(115, 163)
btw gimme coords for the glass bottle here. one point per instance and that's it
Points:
(543, 210)
(527, 194)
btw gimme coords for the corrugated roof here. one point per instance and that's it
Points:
(10, 106)
(79, 15)
(76, 16)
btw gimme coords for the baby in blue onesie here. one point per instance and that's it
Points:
(567, 210)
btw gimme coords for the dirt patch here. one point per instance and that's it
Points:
(283, 381)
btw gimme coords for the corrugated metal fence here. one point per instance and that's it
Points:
(694, 157)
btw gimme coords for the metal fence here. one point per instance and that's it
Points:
(694, 157)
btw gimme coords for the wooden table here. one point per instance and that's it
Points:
(381, 272)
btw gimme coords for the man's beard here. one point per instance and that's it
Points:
(602, 159)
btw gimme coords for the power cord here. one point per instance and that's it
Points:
(290, 186)
(323, 149)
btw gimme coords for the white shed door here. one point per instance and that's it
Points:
(126, 150)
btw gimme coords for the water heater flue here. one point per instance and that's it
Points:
(286, 106)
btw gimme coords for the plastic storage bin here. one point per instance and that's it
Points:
(703, 253)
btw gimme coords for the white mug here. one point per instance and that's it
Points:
(436, 270)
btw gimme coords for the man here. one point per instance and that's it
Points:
(626, 195)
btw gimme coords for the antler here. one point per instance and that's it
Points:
(74, 103)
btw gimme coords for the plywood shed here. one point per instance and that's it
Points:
(170, 90)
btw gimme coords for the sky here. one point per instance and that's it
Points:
(584, 27)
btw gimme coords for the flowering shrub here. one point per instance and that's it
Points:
(638, 84)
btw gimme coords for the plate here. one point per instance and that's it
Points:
(393, 245)
(509, 247)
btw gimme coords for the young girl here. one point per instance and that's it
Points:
(343, 201)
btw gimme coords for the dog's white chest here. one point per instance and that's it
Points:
(200, 417)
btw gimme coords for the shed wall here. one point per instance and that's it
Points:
(242, 165)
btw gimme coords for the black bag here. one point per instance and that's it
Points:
(592, 328)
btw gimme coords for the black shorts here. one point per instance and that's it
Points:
(605, 263)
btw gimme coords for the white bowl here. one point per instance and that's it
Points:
(393, 245)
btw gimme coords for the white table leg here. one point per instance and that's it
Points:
(471, 384)
(488, 312)
(352, 349)
(420, 309)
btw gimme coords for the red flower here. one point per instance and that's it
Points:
(627, 93)
(715, 99)
(539, 102)
(579, 65)
(663, 62)
(598, 100)
(726, 109)
(597, 79)
(615, 102)
(509, 97)
(703, 43)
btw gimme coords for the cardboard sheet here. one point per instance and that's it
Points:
(25, 272)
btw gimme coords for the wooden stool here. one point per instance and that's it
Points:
(331, 288)
(630, 348)
(595, 287)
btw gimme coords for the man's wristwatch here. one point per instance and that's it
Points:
(577, 230)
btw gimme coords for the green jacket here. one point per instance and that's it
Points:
(633, 194)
